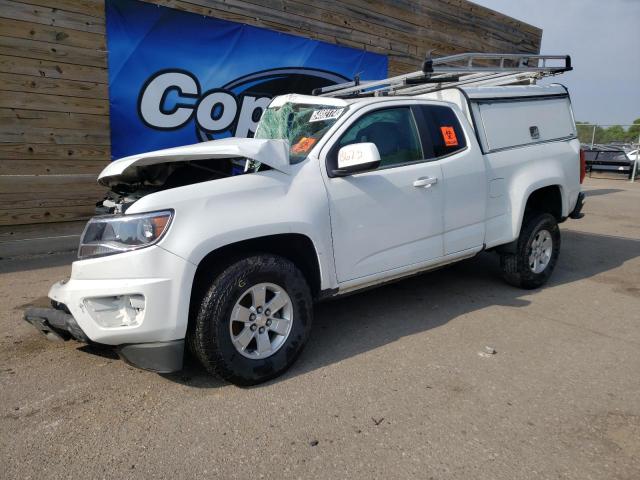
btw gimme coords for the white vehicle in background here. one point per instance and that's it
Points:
(225, 245)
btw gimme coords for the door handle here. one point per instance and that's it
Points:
(425, 182)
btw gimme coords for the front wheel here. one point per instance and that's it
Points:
(253, 321)
(536, 252)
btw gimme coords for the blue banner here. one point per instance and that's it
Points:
(176, 78)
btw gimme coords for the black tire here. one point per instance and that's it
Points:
(515, 266)
(210, 340)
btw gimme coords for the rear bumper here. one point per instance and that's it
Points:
(576, 213)
(58, 325)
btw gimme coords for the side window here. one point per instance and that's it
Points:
(394, 132)
(445, 132)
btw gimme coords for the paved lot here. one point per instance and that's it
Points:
(391, 384)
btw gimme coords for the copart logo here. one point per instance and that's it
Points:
(170, 99)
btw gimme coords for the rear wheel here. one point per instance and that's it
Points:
(253, 320)
(536, 252)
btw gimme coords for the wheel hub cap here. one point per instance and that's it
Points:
(540, 251)
(261, 320)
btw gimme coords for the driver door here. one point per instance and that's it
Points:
(391, 217)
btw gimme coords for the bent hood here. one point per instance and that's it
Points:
(274, 153)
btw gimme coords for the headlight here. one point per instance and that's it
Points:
(111, 234)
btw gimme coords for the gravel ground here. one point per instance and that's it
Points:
(395, 382)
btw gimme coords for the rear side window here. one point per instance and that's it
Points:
(445, 133)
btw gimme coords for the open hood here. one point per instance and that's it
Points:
(274, 153)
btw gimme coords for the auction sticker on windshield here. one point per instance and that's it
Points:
(303, 145)
(325, 114)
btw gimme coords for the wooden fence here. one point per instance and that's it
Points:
(54, 107)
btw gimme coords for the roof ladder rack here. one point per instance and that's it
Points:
(472, 69)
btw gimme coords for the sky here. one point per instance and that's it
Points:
(603, 39)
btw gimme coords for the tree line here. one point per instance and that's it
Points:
(612, 133)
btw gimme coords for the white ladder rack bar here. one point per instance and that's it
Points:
(454, 70)
(478, 80)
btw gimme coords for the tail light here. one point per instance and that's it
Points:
(583, 166)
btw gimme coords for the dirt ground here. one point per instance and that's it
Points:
(394, 383)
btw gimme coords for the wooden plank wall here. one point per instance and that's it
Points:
(54, 109)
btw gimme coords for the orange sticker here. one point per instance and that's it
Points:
(303, 145)
(449, 136)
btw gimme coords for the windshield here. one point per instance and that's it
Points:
(302, 124)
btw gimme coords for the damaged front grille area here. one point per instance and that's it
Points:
(154, 178)
(117, 203)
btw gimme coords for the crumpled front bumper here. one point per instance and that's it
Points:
(55, 324)
(137, 302)
(58, 325)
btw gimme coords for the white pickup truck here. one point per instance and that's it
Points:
(225, 245)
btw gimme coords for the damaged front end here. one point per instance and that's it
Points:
(129, 290)
(155, 178)
(55, 323)
(132, 178)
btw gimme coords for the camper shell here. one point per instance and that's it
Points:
(513, 116)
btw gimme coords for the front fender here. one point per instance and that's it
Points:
(211, 215)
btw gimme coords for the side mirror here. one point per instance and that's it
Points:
(355, 158)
